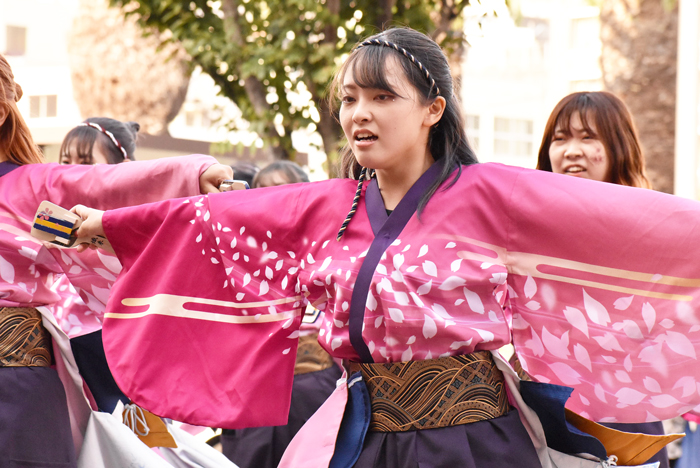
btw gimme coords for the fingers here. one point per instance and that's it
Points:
(83, 247)
(206, 187)
(210, 179)
(82, 211)
(92, 221)
(82, 231)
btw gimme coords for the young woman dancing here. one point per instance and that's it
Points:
(423, 263)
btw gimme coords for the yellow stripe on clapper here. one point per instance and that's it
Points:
(173, 306)
(53, 225)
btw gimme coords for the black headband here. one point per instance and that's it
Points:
(407, 54)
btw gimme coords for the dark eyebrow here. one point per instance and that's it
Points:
(350, 86)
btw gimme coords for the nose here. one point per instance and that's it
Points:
(361, 111)
(572, 149)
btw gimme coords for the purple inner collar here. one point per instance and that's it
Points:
(6, 167)
(386, 229)
(374, 203)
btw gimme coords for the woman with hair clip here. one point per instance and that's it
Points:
(591, 135)
(100, 140)
(97, 140)
(424, 264)
(35, 426)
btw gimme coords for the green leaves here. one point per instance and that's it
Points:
(287, 48)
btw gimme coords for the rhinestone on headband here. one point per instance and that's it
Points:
(109, 134)
(407, 54)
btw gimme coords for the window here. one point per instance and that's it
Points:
(473, 131)
(42, 106)
(16, 40)
(512, 137)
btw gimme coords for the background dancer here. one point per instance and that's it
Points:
(591, 135)
(34, 412)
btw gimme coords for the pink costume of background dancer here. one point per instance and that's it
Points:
(26, 268)
(38, 412)
(97, 140)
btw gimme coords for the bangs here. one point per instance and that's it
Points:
(367, 67)
(586, 111)
(81, 140)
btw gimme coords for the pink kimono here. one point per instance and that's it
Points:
(595, 284)
(28, 271)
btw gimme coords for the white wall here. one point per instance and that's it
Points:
(521, 71)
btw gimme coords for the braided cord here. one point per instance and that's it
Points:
(405, 53)
(355, 201)
(109, 134)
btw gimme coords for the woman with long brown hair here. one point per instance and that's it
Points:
(592, 135)
(35, 426)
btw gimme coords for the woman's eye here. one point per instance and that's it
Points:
(346, 99)
(385, 97)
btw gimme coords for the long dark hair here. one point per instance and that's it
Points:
(447, 139)
(85, 138)
(614, 128)
(16, 141)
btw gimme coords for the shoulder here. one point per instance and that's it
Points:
(35, 171)
(301, 194)
(491, 169)
(489, 174)
(321, 189)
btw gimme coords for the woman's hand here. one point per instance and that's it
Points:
(91, 225)
(210, 179)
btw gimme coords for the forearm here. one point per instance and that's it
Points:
(115, 186)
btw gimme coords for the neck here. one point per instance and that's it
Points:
(394, 183)
(3, 157)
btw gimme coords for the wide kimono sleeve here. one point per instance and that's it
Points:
(202, 324)
(106, 186)
(604, 284)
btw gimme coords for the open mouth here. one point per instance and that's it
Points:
(365, 137)
(574, 170)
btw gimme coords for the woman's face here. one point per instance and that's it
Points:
(273, 179)
(72, 157)
(573, 151)
(385, 131)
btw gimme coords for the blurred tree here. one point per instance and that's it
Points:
(274, 58)
(119, 73)
(640, 43)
